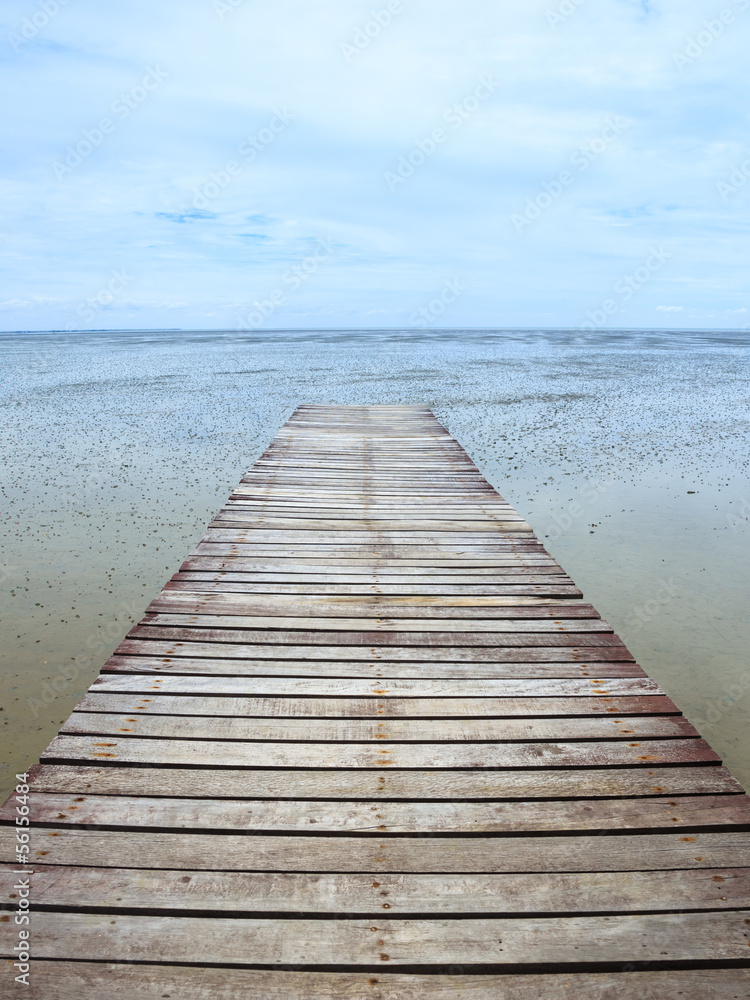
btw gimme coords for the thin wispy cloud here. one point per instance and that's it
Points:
(203, 149)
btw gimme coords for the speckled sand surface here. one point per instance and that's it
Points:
(121, 446)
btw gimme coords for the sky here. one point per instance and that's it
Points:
(232, 164)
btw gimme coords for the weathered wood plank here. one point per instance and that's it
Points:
(392, 895)
(74, 980)
(169, 683)
(218, 753)
(244, 525)
(390, 785)
(195, 643)
(422, 553)
(434, 854)
(261, 816)
(712, 936)
(537, 586)
(442, 570)
(217, 628)
(221, 611)
(220, 600)
(406, 596)
(236, 528)
(374, 708)
(390, 730)
(282, 536)
(370, 557)
(348, 510)
(381, 668)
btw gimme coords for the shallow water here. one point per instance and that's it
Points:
(627, 452)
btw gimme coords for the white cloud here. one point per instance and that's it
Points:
(129, 203)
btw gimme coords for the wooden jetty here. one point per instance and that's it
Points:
(370, 742)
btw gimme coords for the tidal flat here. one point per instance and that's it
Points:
(626, 451)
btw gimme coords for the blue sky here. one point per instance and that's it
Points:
(410, 163)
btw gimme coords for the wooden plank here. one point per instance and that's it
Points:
(508, 586)
(451, 485)
(436, 569)
(397, 548)
(460, 730)
(393, 895)
(712, 936)
(380, 668)
(285, 470)
(348, 510)
(261, 816)
(454, 786)
(352, 708)
(219, 599)
(433, 854)
(218, 628)
(244, 526)
(393, 509)
(191, 643)
(367, 687)
(220, 611)
(536, 586)
(74, 980)
(320, 538)
(218, 753)
(428, 551)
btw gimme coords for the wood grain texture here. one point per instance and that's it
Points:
(465, 709)
(713, 936)
(258, 815)
(367, 632)
(76, 980)
(222, 600)
(378, 685)
(251, 667)
(436, 854)
(217, 753)
(391, 731)
(414, 785)
(118, 889)
(160, 642)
